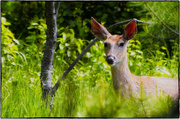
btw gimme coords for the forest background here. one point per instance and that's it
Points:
(87, 91)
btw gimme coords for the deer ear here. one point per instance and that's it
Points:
(98, 30)
(130, 30)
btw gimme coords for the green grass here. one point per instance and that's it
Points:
(86, 92)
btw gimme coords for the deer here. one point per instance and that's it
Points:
(124, 81)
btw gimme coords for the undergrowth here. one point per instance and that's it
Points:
(87, 91)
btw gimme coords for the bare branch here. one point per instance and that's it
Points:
(124, 22)
(161, 20)
(168, 38)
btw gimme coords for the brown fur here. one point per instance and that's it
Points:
(122, 78)
(127, 82)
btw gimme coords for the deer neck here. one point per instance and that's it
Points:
(122, 77)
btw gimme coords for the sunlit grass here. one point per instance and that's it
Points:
(86, 92)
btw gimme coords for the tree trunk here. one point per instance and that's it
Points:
(47, 62)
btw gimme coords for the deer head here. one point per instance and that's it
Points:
(115, 45)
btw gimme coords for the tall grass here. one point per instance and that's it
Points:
(87, 91)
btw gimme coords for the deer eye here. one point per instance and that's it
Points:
(105, 44)
(121, 44)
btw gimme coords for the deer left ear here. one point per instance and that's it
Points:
(98, 30)
(130, 30)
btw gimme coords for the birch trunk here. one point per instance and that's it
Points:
(47, 62)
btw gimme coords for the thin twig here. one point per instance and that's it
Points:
(124, 22)
(161, 20)
(168, 38)
(145, 115)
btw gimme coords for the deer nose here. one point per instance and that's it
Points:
(110, 59)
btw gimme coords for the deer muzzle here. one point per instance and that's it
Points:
(110, 59)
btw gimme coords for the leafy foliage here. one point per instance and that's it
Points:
(9, 44)
(87, 91)
(68, 44)
(156, 34)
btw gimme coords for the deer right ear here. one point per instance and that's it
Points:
(98, 30)
(130, 30)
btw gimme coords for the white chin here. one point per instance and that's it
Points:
(115, 64)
